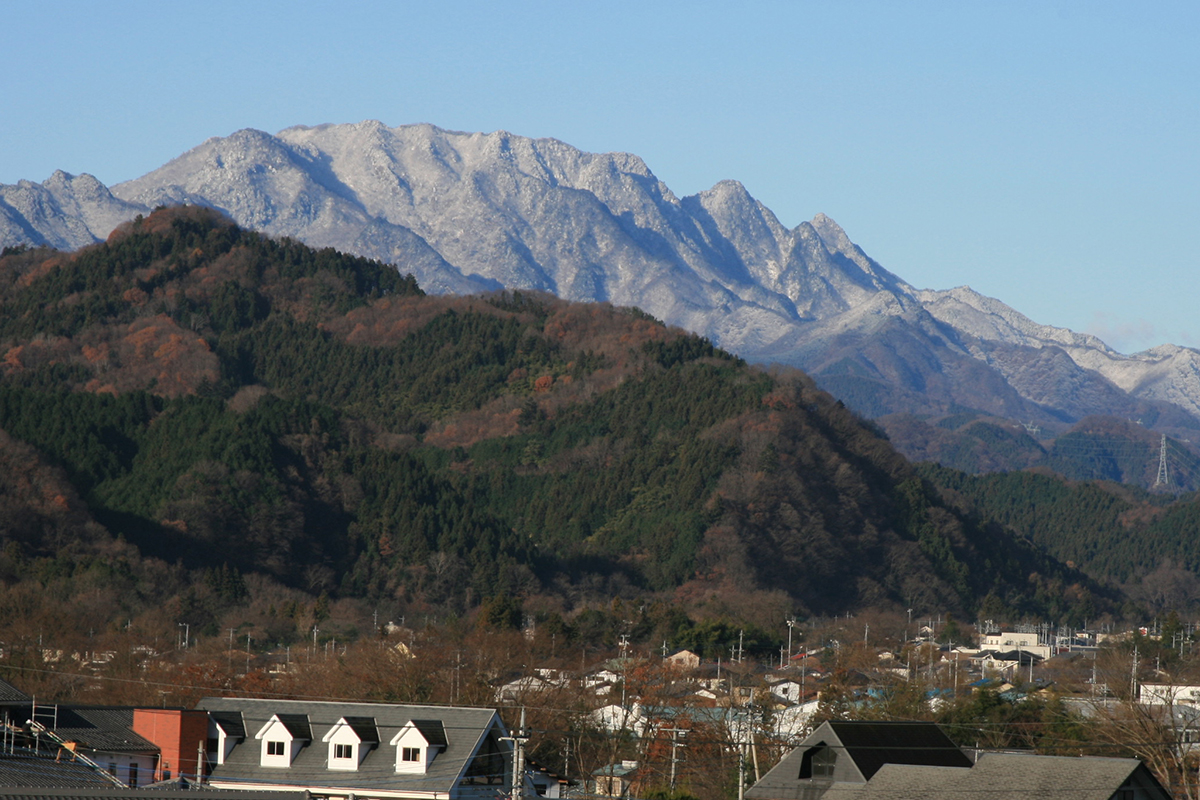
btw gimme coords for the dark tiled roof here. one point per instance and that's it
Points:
(297, 725)
(11, 695)
(28, 768)
(433, 731)
(230, 722)
(873, 744)
(107, 729)
(364, 728)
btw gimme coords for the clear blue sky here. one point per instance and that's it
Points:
(1044, 153)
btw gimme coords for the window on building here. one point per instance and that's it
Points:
(410, 754)
(133, 770)
(817, 762)
(213, 744)
(823, 763)
(275, 748)
(343, 751)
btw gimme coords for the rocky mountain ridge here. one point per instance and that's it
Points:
(468, 212)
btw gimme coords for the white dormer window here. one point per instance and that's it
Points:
(226, 729)
(349, 740)
(418, 744)
(282, 738)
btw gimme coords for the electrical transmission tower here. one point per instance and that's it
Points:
(1163, 478)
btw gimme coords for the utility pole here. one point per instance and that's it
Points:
(675, 745)
(741, 771)
(519, 738)
(1133, 692)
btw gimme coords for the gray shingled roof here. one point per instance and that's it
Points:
(113, 793)
(1005, 776)
(463, 729)
(28, 768)
(230, 722)
(11, 695)
(869, 745)
(107, 729)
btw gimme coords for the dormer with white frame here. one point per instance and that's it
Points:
(349, 740)
(226, 729)
(282, 737)
(417, 744)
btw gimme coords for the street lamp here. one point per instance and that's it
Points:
(791, 623)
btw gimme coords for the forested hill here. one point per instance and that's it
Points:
(1116, 533)
(193, 394)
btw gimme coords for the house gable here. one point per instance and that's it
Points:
(417, 745)
(226, 730)
(349, 741)
(282, 737)
(851, 752)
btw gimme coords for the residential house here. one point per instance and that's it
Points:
(684, 659)
(787, 690)
(1170, 694)
(1009, 640)
(616, 718)
(852, 752)
(345, 750)
(522, 688)
(616, 780)
(1010, 776)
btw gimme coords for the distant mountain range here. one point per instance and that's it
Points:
(470, 212)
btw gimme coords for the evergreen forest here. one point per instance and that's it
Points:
(194, 417)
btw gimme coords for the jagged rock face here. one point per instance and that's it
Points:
(467, 212)
(65, 212)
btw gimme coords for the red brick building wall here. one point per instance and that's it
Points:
(178, 733)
